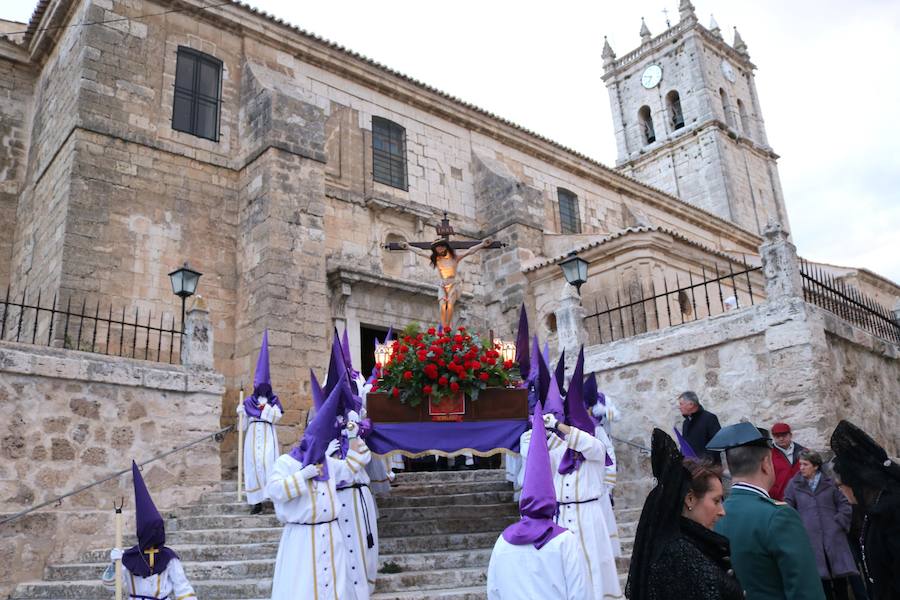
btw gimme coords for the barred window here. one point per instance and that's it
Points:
(569, 221)
(198, 94)
(389, 153)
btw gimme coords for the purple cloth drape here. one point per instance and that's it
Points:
(416, 438)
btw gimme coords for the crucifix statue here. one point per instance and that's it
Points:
(445, 256)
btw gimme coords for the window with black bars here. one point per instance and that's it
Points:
(569, 221)
(389, 153)
(198, 94)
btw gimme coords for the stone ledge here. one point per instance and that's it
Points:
(42, 361)
(838, 327)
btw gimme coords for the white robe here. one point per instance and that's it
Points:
(585, 519)
(609, 484)
(362, 560)
(312, 557)
(260, 451)
(170, 583)
(555, 572)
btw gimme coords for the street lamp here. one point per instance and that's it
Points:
(184, 285)
(382, 353)
(575, 270)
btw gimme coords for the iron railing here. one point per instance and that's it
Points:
(88, 328)
(646, 308)
(217, 437)
(824, 290)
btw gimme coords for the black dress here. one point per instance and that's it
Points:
(695, 565)
(881, 545)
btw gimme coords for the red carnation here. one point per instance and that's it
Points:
(431, 331)
(442, 380)
(458, 339)
(404, 349)
(442, 362)
(460, 328)
(395, 392)
(454, 387)
(407, 375)
(426, 389)
(507, 364)
(484, 376)
(476, 365)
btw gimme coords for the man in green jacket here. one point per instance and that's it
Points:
(770, 550)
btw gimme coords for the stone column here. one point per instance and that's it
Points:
(197, 341)
(781, 266)
(570, 329)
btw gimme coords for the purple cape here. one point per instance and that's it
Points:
(151, 533)
(538, 502)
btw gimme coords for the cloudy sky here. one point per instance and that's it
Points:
(827, 77)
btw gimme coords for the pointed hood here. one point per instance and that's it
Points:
(151, 533)
(561, 372)
(553, 402)
(537, 504)
(591, 395)
(337, 370)
(686, 449)
(262, 382)
(322, 429)
(576, 414)
(543, 375)
(345, 354)
(522, 355)
(318, 394)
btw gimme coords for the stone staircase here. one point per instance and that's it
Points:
(437, 528)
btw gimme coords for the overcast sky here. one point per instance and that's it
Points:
(828, 79)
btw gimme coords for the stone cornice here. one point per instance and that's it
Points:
(11, 51)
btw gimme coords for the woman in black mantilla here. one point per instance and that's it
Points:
(676, 553)
(870, 479)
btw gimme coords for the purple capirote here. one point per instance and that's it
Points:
(522, 356)
(537, 505)
(151, 533)
(262, 383)
(321, 430)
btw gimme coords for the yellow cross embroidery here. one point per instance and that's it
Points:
(151, 552)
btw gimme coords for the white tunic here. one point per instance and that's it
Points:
(260, 450)
(609, 483)
(312, 557)
(555, 572)
(585, 519)
(171, 583)
(355, 505)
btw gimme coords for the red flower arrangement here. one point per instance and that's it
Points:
(423, 364)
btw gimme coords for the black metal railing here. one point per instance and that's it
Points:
(647, 308)
(87, 327)
(824, 290)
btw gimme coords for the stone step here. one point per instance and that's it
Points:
(431, 580)
(249, 535)
(471, 593)
(453, 511)
(432, 543)
(428, 561)
(236, 589)
(450, 476)
(205, 552)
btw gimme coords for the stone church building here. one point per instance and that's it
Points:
(141, 134)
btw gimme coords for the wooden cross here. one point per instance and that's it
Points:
(444, 231)
(151, 552)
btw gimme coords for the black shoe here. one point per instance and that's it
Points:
(257, 508)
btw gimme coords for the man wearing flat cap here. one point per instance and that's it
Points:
(770, 549)
(785, 457)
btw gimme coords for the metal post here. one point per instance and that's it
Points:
(240, 477)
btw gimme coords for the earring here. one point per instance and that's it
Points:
(690, 508)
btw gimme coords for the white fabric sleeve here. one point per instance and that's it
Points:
(524, 442)
(181, 587)
(284, 483)
(493, 590)
(242, 417)
(575, 570)
(588, 445)
(357, 461)
(276, 414)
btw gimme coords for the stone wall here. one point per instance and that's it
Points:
(74, 418)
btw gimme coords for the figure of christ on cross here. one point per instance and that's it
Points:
(446, 260)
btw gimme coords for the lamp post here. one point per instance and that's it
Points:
(575, 270)
(184, 285)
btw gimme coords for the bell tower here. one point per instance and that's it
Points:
(688, 121)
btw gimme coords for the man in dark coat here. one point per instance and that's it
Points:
(785, 457)
(699, 426)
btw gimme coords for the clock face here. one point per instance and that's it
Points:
(728, 71)
(651, 77)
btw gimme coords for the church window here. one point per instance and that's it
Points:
(389, 153)
(729, 118)
(745, 119)
(646, 121)
(569, 220)
(198, 94)
(673, 103)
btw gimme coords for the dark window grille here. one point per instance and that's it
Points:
(848, 303)
(389, 153)
(198, 94)
(90, 328)
(646, 121)
(569, 219)
(645, 307)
